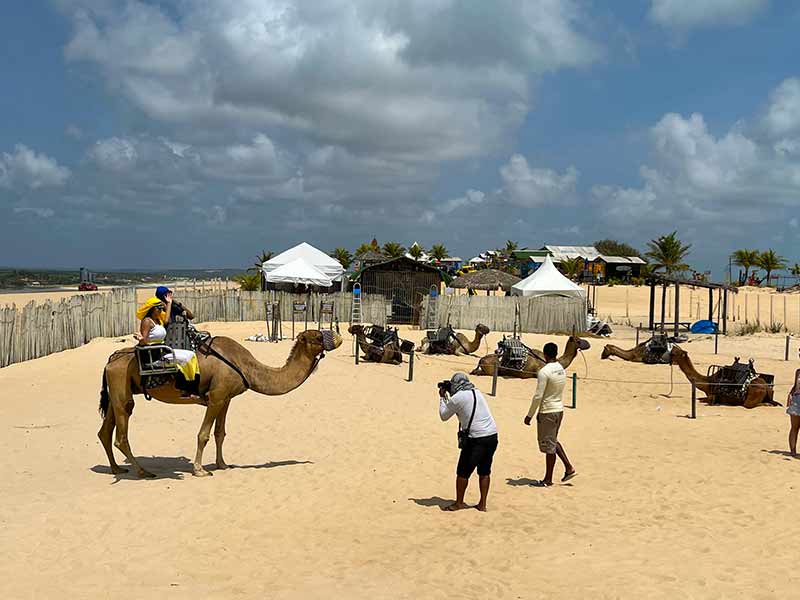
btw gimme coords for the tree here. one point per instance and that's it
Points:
(438, 252)
(615, 248)
(393, 249)
(572, 267)
(667, 252)
(260, 260)
(511, 247)
(746, 259)
(416, 251)
(248, 282)
(343, 256)
(371, 247)
(770, 261)
(795, 270)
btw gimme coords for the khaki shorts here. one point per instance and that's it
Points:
(547, 426)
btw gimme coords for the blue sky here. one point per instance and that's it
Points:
(180, 134)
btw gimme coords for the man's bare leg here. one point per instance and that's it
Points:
(483, 482)
(461, 489)
(549, 464)
(569, 470)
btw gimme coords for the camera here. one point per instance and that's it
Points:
(444, 386)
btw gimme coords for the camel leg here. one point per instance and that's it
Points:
(105, 434)
(219, 434)
(121, 418)
(204, 435)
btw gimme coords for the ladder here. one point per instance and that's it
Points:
(432, 302)
(355, 309)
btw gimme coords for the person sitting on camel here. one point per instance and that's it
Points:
(153, 314)
(178, 309)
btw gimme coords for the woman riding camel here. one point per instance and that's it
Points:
(153, 315)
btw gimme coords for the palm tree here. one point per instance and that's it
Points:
(393, 250)
(364, 248)
(667, 252)
(260, 260)
(770, 261)
(248, 282)
(572, 267)
(343, 256)
(438, 252)
(416, 251)
(795, 270)
(746, 258)
(511, 247)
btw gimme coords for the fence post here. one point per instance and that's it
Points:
(356, 351)
(787, 348)
(637, 333)
(411, 366)
(694, 402)
(494, 378)
(716, 341)
(574, 390)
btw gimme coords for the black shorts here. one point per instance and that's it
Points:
(477, 452)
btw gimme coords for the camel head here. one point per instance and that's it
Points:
(482, 329)
(606, 352)
(314, 343)
(355, 329)
(581, 343)
(677, 354)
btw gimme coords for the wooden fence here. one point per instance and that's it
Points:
(37, 330)
(545, 314)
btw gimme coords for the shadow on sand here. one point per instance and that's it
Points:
(168, 467)
(432, 501)
(785, 453)
(522, 481)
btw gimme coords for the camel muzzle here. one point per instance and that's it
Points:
(331, 340)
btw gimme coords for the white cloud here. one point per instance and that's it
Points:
(114, 154)
(686, 14)
(531, 187)
(24, 168)
(783, 114)
(42, 213)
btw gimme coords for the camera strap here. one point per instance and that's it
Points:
(472, 416)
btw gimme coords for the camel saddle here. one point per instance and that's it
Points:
(380, 337)
(513, 353)
(734, 379)
(439, 341)
(657, 350)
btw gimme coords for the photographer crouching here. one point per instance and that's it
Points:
(477, 435)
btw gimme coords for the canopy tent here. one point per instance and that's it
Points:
(323, 263)
(300, 272)
(547, 280)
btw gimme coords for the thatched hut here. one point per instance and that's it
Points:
(486, 279)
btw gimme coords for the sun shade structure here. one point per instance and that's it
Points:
(323, 263)
(547, 281)
(300, 272)
(485, 279)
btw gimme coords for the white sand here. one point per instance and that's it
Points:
(338, 485)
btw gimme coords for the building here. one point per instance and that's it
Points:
(596, 266)
(403, 282)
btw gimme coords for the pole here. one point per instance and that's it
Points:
(411, 366)
(637, 333)
(663, 304)
(710, 304)
(652, 305)
(677, 306)
(787, 349)
(725, 312)
(694, 402)
(357, 349)
(494, 378)
(574, 391)
(716, 339)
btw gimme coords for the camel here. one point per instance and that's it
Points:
(758, 391)
(227, 369)
(534, 362)
(460, 345)
(389, 354)
(635, 354)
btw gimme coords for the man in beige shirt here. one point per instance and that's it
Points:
(550, 408)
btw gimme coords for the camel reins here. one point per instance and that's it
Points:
(205, 346)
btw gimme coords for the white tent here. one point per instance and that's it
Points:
(547, 281)
(330, 267)
(299, 271)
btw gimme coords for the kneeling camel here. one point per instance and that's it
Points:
(533, 362)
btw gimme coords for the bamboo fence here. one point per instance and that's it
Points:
(37, 330)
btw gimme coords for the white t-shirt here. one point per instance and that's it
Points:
(460, 404)
(550, 386)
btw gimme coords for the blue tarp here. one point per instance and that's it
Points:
(705, 326)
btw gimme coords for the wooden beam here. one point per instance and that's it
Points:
(725, 312)
(652, 305)
(710, 304)
(663, 304)
(677, 306)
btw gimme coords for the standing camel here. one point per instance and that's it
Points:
(460, 345)
(227, 369)
(758, 391)
(389, 354)
(533, 362)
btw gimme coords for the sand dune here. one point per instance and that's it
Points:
(338, 486)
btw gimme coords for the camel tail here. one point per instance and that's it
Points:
(104, 398)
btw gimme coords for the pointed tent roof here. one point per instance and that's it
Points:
(299, 271)
(312, 256)
(547, 281)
